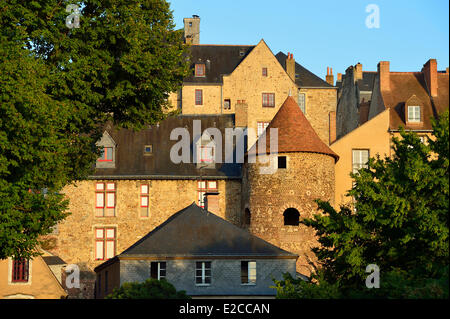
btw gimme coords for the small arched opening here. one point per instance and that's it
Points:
(291, 217)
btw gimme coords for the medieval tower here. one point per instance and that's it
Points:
(303, 170)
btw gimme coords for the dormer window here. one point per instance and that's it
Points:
(200, 70)
(107, 157)
(414, 115)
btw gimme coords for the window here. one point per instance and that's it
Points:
(282, 162)
(144, 200)
(261, 126)
(105, 243)
(206, 154)
(360, 158)
(105, 199)
(248, 272)
(264, 72)
(198, 97)
(106, 155)
(204, 187)
(20, 270)
(414, 114)
(203, 272)
(268, 99)
(291, 217)
(227, 104)
(241, 52)
(148, 149)
(158, 270)
(301, 102)
(200, 70)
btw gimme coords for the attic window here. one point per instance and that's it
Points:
(106, 155)
(200, 69)
(148, 149)
(414, 114)
(241, 52)
(264, 72)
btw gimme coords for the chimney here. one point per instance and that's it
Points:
(290, 66)
(330, 78)
(383, 71)
(429, 71)
(192, 30)
(332, 123)
(358, 72)
(339, 77)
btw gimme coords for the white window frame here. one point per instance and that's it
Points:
(203, 275)
(158, 271)
(414, 114)
(357, 159)
(302, 102)
(251, 272)
(261, 127)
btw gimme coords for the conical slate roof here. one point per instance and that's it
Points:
(195, 232)
(295, 133)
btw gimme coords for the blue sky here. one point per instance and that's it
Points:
(329, 33)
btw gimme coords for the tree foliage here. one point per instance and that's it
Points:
(58, 88)
(149, 289)
(399, 222)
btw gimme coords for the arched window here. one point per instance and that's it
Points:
(291, 217)
(247, 217)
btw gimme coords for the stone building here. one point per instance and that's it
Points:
(137, 185)
(303, 170)
(225, 76)
(202, 254)
(37, 278)
(396, 99)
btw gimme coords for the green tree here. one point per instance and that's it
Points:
(399, 222)
(149, 289)
(59, 86)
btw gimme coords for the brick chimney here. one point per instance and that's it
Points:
(332, 124)
(330, 78)
(358, 72)
(290, 66)
(339, 77)
(429, 71)
(383, 71)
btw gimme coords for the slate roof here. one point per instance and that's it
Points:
(295, 133)
(131, 163)
(53, 260)
(306, 78)
(366, 83)
(218, 59)
(195, 232)
(405, 85)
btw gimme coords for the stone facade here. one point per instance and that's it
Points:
(225, 275)
(246, 84)
(75, 239)
(308, 176)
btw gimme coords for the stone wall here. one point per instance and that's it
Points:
(319, 103)
(308, 176)
(75, 237)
